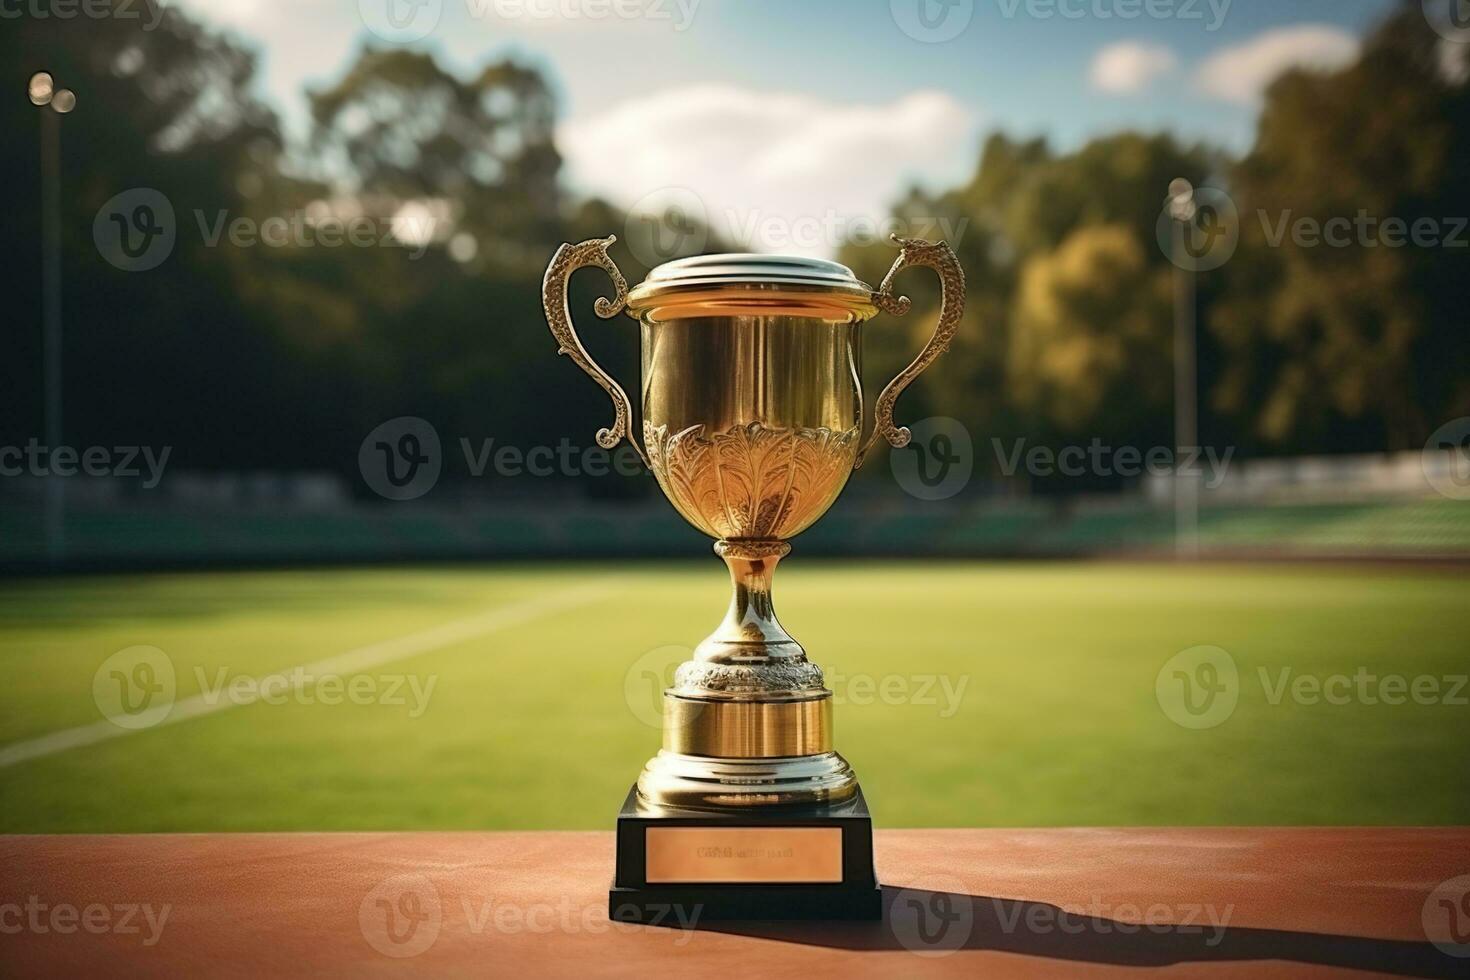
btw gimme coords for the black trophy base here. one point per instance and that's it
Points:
(682, 867)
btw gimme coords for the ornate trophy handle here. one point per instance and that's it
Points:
(941, 258)
(568, 259)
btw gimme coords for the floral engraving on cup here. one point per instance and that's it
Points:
(751, 480)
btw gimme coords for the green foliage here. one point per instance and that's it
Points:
(1092, 336)
(1066, 331)
(272, 357)
(1363, 345)
(1302, 348)
(398, 124)
(284, 356)
(170, 356)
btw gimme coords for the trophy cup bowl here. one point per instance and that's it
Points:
(752, 422)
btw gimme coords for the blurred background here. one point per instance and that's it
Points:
(336, 222)
(272, 293)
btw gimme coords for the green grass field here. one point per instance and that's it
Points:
(968, 694)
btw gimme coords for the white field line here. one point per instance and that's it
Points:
(353, 661)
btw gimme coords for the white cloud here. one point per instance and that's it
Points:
(590, 15)
(247, 16)
(1241, 73)
(1128, 67)
(767, 167)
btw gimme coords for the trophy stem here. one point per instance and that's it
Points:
(750, 632)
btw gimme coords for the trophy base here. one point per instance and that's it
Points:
(678, 866)
(702, 782)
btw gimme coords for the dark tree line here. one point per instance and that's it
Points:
(270, 357)
(1304, 346)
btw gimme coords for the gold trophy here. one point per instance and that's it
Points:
(752, 415)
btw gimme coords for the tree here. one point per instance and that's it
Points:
(1091, 346)
(163, 355)
(1041, 238)
(1360, 346)
(401, 127)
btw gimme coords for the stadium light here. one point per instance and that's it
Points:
(1181, 200)
(43, 93)
(1182, 208)
(40, 88)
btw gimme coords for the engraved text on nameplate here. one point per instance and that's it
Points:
(743, 854)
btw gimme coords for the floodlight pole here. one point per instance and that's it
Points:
(55, 491)
(1186, 394)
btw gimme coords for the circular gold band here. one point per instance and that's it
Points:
(661, 303)
(748, 729)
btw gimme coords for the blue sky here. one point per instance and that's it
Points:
(764, 111)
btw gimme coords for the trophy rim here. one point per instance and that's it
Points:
(752, 284)
(754, 266)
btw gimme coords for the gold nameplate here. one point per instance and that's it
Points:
(712, 855)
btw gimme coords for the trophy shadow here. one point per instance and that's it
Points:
(934, 923)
